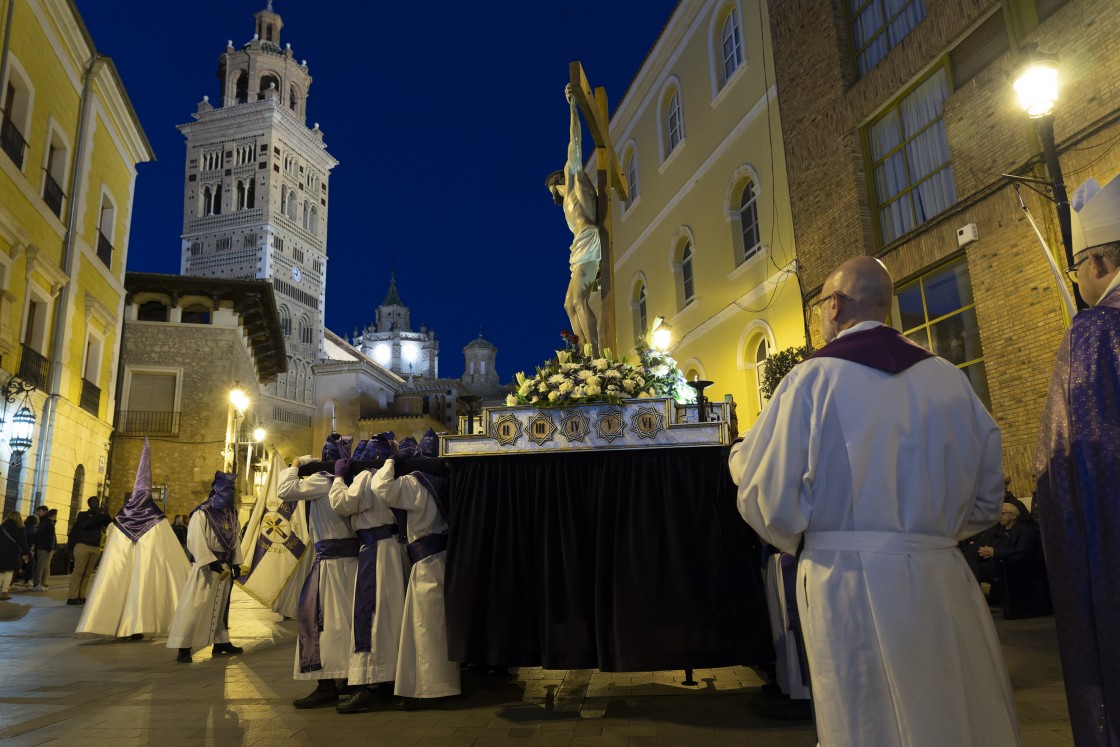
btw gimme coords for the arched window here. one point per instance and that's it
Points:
(251, 198)
(152, 311)
(241, 195)
(267, 82)
(283, 201)
(748, 222)
(641, 318)
(686, 273)
(293, 99)
(14, 485)
(196, 313)
(285, 321)
(314, 225)
(292, 199)
(207, 199)
(674, 122)
(306, 215)
(731, 46)
(631, 167)
(268, 32)
(761, 353)
(241, 88)
(304, 331)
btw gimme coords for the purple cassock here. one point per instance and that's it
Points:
(140, 513)
(1078, 467)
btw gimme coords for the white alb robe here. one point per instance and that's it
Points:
(336, 577)
(136, 586)
(423, 667)
(200, 616)
(366, 511)
(882, 474)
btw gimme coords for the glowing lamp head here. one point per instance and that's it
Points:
(239, 400)
(662, 334)
(383, 354)
(259, 434)
(1036, 83)
(23, 426)
(409, 353)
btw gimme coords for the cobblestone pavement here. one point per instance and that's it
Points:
(59, 691)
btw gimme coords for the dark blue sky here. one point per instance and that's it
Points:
(445, 119)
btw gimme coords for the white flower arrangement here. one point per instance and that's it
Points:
(575, 377)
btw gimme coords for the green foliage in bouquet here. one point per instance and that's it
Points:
(779, 364)
(575, 376)
(662, 375)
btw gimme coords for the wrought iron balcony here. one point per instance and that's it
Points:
(52, 194)
(91, 398)
(33, 367)
(104, 250)
(12, 142)
(147, 423)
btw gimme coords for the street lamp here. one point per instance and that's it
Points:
(1036, 83)
(23, 422)
(662, 334)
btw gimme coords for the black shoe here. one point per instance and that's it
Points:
(324, 695)
(361, 700)
(75, 601)
(184, 656)
(408, 704)
(136, 637)
(226, 648)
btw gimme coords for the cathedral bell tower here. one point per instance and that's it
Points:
(256, 198)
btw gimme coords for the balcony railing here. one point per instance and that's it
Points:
(104, 250)
(91, 398)
(12, 142)
(147, 423)
(52, 194)
(33, 367)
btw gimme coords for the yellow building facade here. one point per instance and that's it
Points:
(70, 143)
(706, 239)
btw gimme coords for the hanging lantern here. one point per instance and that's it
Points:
(23, 426)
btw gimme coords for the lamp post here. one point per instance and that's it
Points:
(239, 403)
(1036, 83)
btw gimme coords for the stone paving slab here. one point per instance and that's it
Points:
(58, 691)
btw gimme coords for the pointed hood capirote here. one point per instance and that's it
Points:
(140, 513)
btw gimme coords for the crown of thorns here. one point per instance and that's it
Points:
(556, 177)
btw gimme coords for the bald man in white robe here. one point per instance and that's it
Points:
(877, 456)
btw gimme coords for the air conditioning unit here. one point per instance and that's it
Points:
(967, 234)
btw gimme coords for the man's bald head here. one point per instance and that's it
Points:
(865, 290)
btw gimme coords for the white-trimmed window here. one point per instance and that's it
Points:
(15, 123)
(640, 314)
(911, 168)
(630, 161)
(689, 287)
(37, 319)
(879, 25)
(106, 227)
(670, 119)
(56, 167)
(731, 45)
(680, 261)
(675, 122)
(741, 211)
(761, 353)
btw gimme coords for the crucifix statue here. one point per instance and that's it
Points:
(587, 211)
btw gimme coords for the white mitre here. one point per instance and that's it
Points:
(1095, 218)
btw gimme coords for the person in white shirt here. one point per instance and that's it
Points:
(871, 460)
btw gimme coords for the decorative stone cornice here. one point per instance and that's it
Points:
(97, 310)
(38, 261)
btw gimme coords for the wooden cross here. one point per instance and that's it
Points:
(593, 106)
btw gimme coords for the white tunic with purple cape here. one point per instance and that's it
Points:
(326, 603)
(881, 457)
(136, 587)
(212, 535)
(1078, 464)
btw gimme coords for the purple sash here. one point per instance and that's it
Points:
(365, 596)
(426, 546)
(788, 565)
(310, 610)
(883, 348)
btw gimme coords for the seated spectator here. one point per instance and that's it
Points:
(1018, 540)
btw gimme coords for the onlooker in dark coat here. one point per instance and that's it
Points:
(31, 526)
(13, 551)
(1018, 540)
(46, 542)
(85, 547)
